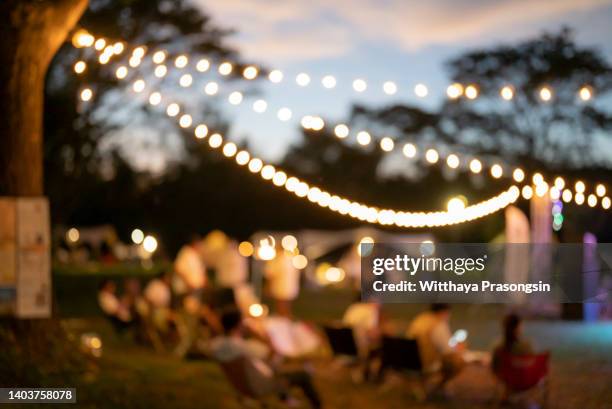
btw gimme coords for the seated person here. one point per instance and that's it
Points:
(513, 342)
(109, 303)
(432, 332)
(232, 345)
(365, 320)
(158, 296)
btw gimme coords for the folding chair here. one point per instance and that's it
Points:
(402, 355)
(238, 373)
(522, 373)
(342, 341)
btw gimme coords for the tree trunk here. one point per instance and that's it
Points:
(31, 31)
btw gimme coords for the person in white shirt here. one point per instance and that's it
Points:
(261, 376)
(432, 332)
(158, 296)
(189, 266)
(232, 268)
(111, 306)
(364, 319)
(284, 281)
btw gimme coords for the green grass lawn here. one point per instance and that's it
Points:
(130, 376)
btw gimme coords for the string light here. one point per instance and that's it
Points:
(159, 57)
(185, 121)
(454, 91)
(497, 171)
(203, 65)
(409, 150)
(389, 88)
(186, 80)
(421, 90)
(580, 187)
(605, 203)
(341, 131)
(155, 98)
(139, 85)
(235, 98)
(79, 67)
(260, 106)
(585, 93)
(211, 88)
(275, 76)
(201, 131)
(181, 61)
(225, 68)
(387, 144)
(600, 189)
(518, 175)
(302, 79)
(567, 196)
(475, 166)
(432, 156)
(121, 72)
(328, 81)
(452, 161)
(284, 114)
(160, 71)
(471, 92)
(545, 94)
(359, 85)
(527, 192)
(86, 94)
(250, 72)
(507, 92)
(363, 138)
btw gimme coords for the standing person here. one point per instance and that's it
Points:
(189, 266)
(232, 268)
(284, 281)
(431, 329)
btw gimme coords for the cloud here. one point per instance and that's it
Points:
(290, 30)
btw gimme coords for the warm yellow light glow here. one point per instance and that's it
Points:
(284, 114)
(118, 47)
(215, 140)
(546, 94)
(420, 90)
(518, 175)
(275, 76)
(452, 161)
(230, 149)
(559, 182)
(289, 242)
(235, 98)
(225, 68)
(250, 72)
(537, 178)
(328, 81)
(82, 39)
(186, 80)
(159, 57)
(579, 198)
(389, 88)
(203, 65)
(121, 72)
(155, 98)
(475, 166)
(555, 193)
(600, 189)
(541, 189)
(279, 178)
(334, 274)
(302, 79)
(432, 156)
(455, 205)
(387, 144)
(592, 200)
(185, 121)
(359, 85)
(363, 138)
(160, 71)
(201, 131)
(255, 165)
(73, 235)
(580, 186)
(256, 310)
(409, 150)
(454, 91)
(267, 172)
(507, 92)
(79, 67)
(471, 92)
(567, 196)
(211, 88)
(181, 61)
(497, 171)
(260, 106)
(527, 192)
(86, 94)
(585, 93)
(605, 203)
(299, 261)
(242, 158)
(149, 244)
(173, 109)
(100, 44)
(245, 249)
(341, 131)
(137, 236)
(138, 86)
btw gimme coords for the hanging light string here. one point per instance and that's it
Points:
(432, 156)
(83, 39)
